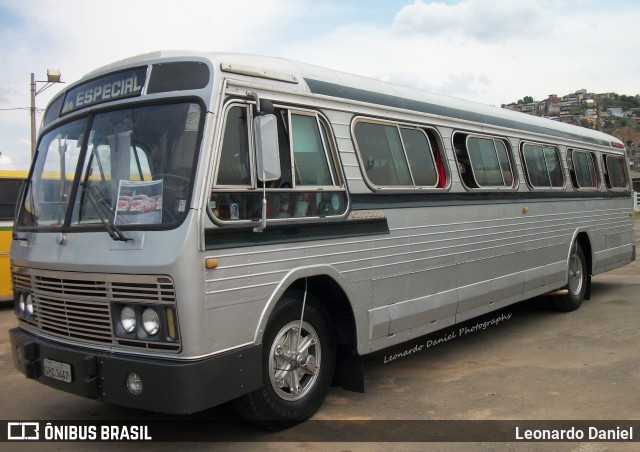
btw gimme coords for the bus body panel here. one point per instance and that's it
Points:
(11, 182)
(401, 262)
(6, 228)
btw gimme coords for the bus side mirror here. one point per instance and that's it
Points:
(268, 157)
(267, 152)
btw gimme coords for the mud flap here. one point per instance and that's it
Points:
(348, 374)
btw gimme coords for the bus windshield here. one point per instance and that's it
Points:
(127, 167)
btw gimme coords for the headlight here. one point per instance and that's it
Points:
(150, 321)
(22, 305)
(29, 305)
(128, 319)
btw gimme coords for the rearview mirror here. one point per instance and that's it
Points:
(267, 155)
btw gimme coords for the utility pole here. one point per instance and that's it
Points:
(53, 76)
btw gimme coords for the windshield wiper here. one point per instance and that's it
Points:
(104, 213)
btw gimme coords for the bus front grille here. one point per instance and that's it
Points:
(78, 306)
(76, 319)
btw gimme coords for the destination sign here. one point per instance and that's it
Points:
(104, 89)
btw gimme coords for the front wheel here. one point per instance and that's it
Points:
(577, 281)
(298, 359)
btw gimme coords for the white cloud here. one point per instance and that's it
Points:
(491, 51)
(5, 162)
(484, 20)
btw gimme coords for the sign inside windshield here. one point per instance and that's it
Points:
(111, 87)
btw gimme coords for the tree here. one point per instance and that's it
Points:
(586, 123)
(527, 100)
(629, 102)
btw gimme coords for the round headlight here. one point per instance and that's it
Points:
(128, 319)
(29, 305)
(22, 305)
(150, 321)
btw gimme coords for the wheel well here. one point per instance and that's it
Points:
(348, 373)
(585, 244)
(335, 301)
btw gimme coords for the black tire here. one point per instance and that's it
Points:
(577, 284)
(293, 389)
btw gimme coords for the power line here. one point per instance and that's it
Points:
(39, 110)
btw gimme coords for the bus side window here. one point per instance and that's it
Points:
(542, 164)
(309, 185)
(420, 157)
(582, 169)
(9, 197)
(285, 181)
(484, 162)
(436, 150)
(554, 167)
(464, 164)
(381, 150)
(615, 174)
(311, 163)
(395, 155)
(235, 167)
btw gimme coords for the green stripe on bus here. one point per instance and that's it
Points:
(234, 237)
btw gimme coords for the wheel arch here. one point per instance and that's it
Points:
(327, 285)
(581, 237)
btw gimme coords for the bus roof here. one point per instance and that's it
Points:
(327, 82)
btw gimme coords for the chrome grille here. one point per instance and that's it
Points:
(158, 292)
(21, 281)
(70, 287)
(73, 318)
(77, 306)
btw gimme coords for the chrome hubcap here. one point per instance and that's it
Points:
(575, 274)
(295, 360)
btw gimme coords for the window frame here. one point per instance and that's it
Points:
(493, 138)
(252, 165)
(558, 154)
(284, 115)
(7, 207)
(430, 133)
(571, 152)
(623, 172)
(89, 116)
(327, 152)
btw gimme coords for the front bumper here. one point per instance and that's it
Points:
(169, 386)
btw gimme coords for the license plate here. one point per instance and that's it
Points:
(57, 370)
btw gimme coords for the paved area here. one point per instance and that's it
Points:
(524, 362)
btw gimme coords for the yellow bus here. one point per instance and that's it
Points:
(10, 183)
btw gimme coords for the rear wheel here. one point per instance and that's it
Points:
(577, 281)
(297, 365)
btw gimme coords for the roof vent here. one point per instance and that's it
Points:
(258, 72)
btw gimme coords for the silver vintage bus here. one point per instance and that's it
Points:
(199, 228)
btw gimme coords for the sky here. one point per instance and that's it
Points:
(489, 51)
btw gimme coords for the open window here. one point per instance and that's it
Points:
(583, 170)
(542, 166)
(234, 168)
(310, 183)
(615, 172)
(484, 162)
